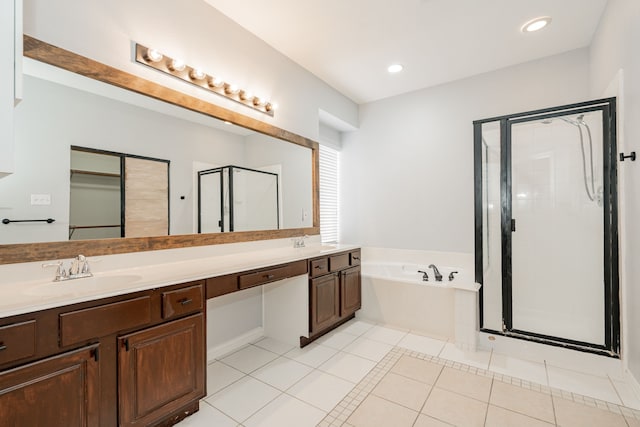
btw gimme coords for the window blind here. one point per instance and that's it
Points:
(329, 159)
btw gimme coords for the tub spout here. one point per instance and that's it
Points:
(436, 273)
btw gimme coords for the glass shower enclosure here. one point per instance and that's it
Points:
(235, 198)
(546, 226)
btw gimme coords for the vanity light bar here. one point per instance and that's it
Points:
(177, 68)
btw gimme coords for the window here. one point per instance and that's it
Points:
(329, 159)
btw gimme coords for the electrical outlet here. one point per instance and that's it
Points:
(41, 199)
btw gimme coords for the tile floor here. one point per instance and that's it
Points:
(363, 374)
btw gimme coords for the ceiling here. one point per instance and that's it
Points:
(350, 43)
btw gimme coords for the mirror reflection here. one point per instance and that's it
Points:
(234, 198)
(117, 195)
(49, 182)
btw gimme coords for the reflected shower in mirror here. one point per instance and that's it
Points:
(233, 198)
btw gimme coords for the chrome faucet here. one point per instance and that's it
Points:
(451, 275)
(298, 242)
(79, 268)
(425, 276)
(436, 273)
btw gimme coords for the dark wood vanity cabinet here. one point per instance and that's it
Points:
(325, 301)
(160, 370)
(334, 290)
(350, 291)
(132, 360)
(59, 391)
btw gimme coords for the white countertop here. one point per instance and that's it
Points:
(19, 297)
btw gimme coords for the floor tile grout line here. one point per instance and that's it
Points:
(486, 411)
(615, 389)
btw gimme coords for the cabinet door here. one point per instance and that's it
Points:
(325, 301)
(160, 370)
(61, 391)
(350, 286)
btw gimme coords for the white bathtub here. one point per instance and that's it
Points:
(395, 294)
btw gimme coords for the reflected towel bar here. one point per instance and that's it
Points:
(8, 221)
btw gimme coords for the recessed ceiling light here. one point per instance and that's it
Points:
(536, 24)
(395, 68)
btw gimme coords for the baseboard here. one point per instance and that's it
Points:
(234, 344)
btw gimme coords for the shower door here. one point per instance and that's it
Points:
(556, 272)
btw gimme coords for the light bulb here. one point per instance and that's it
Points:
(216, 82)
(197, 74)
(231, 89)
(246, 95)
(153, 55)
(177, 65)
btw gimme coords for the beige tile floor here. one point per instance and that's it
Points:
(419, 392)
(364, 375)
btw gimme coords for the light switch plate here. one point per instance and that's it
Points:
(41, 199)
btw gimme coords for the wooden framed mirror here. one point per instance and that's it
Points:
(74, 63)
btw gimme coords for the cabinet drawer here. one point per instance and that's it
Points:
(354, 258)
(17, 341)
(338, 262)
(95, 322)
(269, 275)
(222, 285)
(318, 267)
(182, 301)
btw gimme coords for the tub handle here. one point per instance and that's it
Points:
(451, 275)
(425, 276)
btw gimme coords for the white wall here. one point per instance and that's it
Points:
(407, 174)
(614, 48)
(201, 36)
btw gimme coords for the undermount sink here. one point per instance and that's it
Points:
(86, 284)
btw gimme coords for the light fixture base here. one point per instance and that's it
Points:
(195, 77)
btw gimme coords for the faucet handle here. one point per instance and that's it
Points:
(60, 272)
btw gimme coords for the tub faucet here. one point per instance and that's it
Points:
(436, 273)
(425, 277)
(451, 275)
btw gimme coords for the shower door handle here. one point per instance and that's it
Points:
(513, 224)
